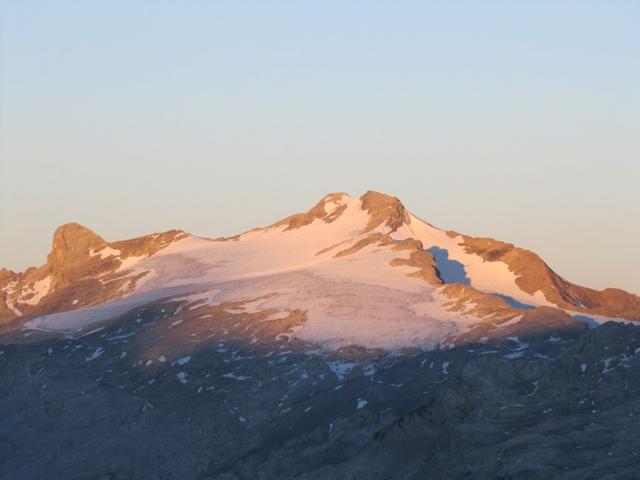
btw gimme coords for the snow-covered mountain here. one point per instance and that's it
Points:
(352, 341)
(349, 272)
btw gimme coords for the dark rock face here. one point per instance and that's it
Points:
(107, 405)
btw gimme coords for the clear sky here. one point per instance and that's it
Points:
(516, 120)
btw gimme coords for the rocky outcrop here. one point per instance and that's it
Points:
(383, 210)
(379, 239)
(418, 258)
(533, 275)
(72, 257)
(82, 269)
(328, 209)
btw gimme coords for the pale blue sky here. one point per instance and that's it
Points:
(515, 120)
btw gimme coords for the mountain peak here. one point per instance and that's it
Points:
(72, 244)
(385, 209)
(73, 235)
(328, 209)
(382, 209)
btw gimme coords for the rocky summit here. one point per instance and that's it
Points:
(352, 341)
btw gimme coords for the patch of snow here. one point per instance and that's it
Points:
(183, 377)
(124, 337)
(8, 289)
(105, 252)
(520, 345)
(510, 322)
(91, 332)
(341, 369)
(98, 351)
(183, 360)
(445, 367)
(369, 370)
(77, 320)
(594, 321)
(198, 300)
(361, 404)
(39, 290)
(330, 207)
(278, 316)
(129, 262)
(514, 355)
(625, 360)
(12, 307)
(235, 377)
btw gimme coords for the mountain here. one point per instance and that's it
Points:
(363, 271)
(351, 341)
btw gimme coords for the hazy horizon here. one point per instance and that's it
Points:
(516, 122)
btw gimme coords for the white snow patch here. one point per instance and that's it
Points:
(183, 360)
(445, 367)
(77, 320)
(341, 369)
(198, 300)
(514, 355)
(235, 377)
(129, 262)
(369, 370)
(98, 351)
(278, 315)
(594, 320)
(39, 290)
(510, 322)
(105, 252)
(8, 290)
